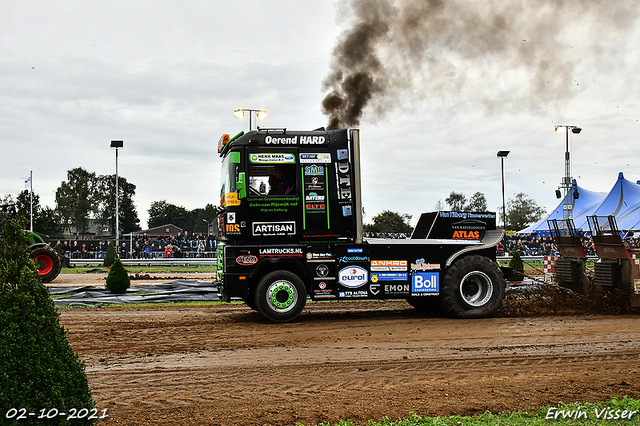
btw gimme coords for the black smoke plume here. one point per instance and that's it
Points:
(493, 54)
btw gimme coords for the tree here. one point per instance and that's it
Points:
(163, 213)
(45, 220)
(39, 367)
(390, 222)
(208, 215)
(106, 194)
(76, 201)
(118, 280)
(439, 206)
(522, 211)
(85, 196)
(110, 256)
(456, 201)
(477, 203)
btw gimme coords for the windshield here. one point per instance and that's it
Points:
(228, 179)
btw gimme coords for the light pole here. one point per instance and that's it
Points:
(117, 145)
(209, 226)
(502, 155)
(566, 180)
(259, 114)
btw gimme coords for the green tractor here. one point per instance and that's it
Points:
(47, 260)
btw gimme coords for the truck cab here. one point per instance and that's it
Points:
(291, 229)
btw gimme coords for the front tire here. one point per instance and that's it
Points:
(47, 262)
(473, 287)
(280, 296)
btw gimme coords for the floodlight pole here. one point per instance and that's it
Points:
(566, 181)
(259, 114)
(116, 145)
(502, 155)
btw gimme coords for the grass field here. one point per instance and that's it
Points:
(618, 411)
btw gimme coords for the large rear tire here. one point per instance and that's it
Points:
(473, 287)
(280, 296)
(47, 262)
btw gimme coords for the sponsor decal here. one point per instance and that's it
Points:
(463, 215)
(469, 225)
(391, 276)
(315, 207)
(425, 282)
(315, 158)
(314, 256)
(247, 260)
(230, 199)
(314, 170)
(322, 289)
(354, 250)
(231, 217)
(272, 158)
(232, 228)
(374, 289)
(353, 276)
(281, 252)
(388, 265)
(420, 265)
(274, 204)
(466, 235)
(346, 259)
(343, 182)
(265, 229)
(322, 270)
(397, 288)
(348, 294)
(312, 196)
(293, 140)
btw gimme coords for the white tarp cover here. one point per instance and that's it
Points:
(174, 291)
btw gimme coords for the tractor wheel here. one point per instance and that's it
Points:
(280, 296)
(473, 287)
(47, 262)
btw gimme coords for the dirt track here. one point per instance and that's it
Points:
(223, 365)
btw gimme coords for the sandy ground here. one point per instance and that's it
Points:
(223, 365)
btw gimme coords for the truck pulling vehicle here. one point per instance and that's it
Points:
(291, 229)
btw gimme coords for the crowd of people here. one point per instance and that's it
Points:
(389, 235)
(192, 245)
(143, 246)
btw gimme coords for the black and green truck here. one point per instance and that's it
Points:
(291, 230)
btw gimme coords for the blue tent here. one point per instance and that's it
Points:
(619, 202)
(583, 206)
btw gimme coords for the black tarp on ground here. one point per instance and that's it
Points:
(174, 291)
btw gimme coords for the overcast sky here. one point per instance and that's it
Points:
(166, 76)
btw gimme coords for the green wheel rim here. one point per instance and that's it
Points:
(282, 296)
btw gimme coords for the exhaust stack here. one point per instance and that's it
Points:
(355, 161)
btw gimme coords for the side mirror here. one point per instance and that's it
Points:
(241, 186)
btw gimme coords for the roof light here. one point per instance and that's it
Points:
(262, 114)
(239, 113)
(224, 139)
